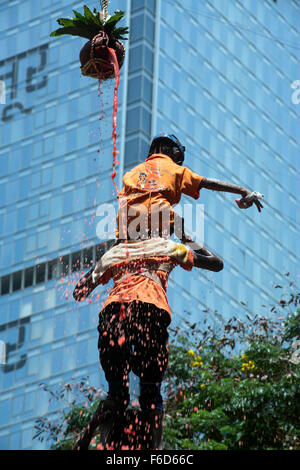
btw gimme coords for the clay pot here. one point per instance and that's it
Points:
(95, 57)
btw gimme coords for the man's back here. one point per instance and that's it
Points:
(156, 183)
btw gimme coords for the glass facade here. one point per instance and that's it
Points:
(218, 74)
(223, 86)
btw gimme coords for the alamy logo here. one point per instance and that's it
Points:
(296, 94)
(136, 222)
(2, 92)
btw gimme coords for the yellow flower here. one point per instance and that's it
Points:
(247, 365)
(202, 386)
(191, 352)
(197, 363)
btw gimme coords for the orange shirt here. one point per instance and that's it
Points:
(140, 288)
(156, 183)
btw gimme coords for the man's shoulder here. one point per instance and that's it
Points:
(135, 169)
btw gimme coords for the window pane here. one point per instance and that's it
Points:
(17, 280)
(40, 273)
(65, 263)
(5, 285)
(52, 269)
(88, 257)
(76, 261)
(28, 281)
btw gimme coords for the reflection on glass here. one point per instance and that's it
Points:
(17, 280)
(5, 285)
(28, 278)
(88, 257)
(52, 269)
(40, 273)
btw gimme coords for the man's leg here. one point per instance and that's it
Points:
(114, 351)
(151, 353)
(114, 358)
(150, 363)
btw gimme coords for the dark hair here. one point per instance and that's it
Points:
(162, 147)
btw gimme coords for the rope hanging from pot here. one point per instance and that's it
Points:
(104, 5)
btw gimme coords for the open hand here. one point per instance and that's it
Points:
(249, 199)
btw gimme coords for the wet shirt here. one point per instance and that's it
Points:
(143, 289)
(153, 185)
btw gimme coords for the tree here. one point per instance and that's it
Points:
(250, 400)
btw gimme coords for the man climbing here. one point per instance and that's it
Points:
(136, 315)
(136, 312)
(158, 184)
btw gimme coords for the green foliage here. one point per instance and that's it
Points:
(76, 419)
(89, 24)
(250, 400)
(76, 403)
(292, 326)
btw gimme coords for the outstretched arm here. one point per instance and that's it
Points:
(248, 197)
(203, 258)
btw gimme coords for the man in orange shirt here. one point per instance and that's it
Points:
(157, 184)
(137, 311)
(136, 314)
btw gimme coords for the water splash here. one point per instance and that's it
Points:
(115, 112)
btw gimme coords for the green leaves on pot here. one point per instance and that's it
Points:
(73, 31)
(110, 26)
(91, 18)
(113, 20)
(89, 24)
(118, 33)
(80, 17)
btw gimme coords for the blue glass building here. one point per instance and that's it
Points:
(219, 75)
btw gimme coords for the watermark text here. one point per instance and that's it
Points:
(296, 95)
